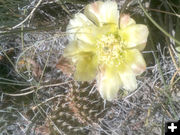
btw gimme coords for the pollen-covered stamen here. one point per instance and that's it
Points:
(109, 50)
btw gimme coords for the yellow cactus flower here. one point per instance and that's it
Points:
(107, 48)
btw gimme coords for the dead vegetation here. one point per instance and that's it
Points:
(37, 98)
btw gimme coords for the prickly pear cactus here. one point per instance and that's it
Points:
(78, 109)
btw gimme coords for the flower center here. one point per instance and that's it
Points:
(109, 50)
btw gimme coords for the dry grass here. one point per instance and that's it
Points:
(36, 97)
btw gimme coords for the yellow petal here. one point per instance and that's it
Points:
(86, 67)
(135, 61)
(102, 12)
(108, 83)
(81, 28)
(128, 78)
(126, 20)
(77, 47)
(135, 36)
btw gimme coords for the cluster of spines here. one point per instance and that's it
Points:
(78, 109)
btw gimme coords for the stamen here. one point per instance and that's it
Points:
(109, 50)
